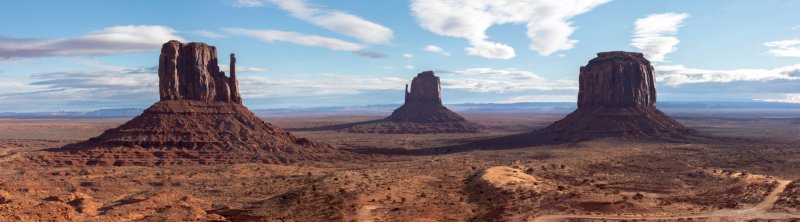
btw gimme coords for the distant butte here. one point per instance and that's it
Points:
(200, 120)
(422, 112)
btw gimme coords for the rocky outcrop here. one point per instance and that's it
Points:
(617, 97)
(423, 103)
(200, 119)
(190, 72)
(422, 112)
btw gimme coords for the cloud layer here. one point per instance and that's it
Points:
(337, 21)
(654, 35)
(547, 22)
(784, 48)
(674, 75)
(108, 41)
(268, 35)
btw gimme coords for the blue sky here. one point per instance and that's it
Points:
(85, 55)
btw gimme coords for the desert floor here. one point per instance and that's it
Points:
(599, 180)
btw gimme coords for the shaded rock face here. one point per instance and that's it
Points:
(617, 79)
(190, 72)
(199, 120)
(617, 97)
(425, 89)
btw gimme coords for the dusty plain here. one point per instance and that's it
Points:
(751, 179)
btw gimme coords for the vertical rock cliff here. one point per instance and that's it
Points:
(191, 72)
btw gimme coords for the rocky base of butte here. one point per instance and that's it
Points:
(200, 119)
(422, 112)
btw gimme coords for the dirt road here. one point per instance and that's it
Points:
(757, 211)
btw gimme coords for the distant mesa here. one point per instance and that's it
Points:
(422, 112)
(617, 98)
(200, 119)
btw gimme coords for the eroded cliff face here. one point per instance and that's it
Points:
(425, 89)
(616, 98)
(617, 79)
(189, 71)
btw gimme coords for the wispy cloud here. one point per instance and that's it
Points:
(242, 69)
(501, 73)
(337, 21)
(784, 48)
(675, 75)
(296, 38)
(107, 41)
(542, 98)
(547, 22)
(488, 80)
(370, 54)
(248, 3)
(787, 98)
(316, 85)
(436, 49)
(655, 34)
(408, 55)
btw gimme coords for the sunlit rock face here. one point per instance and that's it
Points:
(189, 71)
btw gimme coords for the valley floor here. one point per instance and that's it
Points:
(598, 180)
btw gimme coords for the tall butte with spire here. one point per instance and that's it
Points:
(199, 119)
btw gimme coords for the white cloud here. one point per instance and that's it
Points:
(242, 69)
(409, 67)
(501, 73)
(787, 98)
(408, 55)
(436, 49)
(296, 38)
(108, 41)
(654, 35)
(675, 75)
(207, 34)
(337, 21)
(784, 48)
(488, 80)
(547, 22)
(542, 98)
(316, 85)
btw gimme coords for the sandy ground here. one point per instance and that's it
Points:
(598, 180)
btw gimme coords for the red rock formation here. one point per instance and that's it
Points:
(199, 119)
(422, 112)
(190, 72)
(617, 97)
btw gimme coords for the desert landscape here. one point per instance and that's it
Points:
(605, 179)
(384, 111)
(199, 155)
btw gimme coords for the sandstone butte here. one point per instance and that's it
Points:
(617, 98)
(421, 112)
(199, 119)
